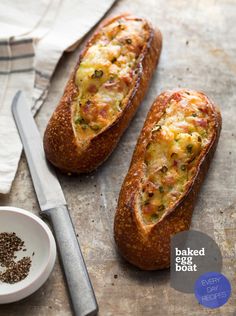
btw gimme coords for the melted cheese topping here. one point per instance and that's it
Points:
(172, 154)
(105, 75)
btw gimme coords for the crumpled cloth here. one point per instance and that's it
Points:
(33, 37)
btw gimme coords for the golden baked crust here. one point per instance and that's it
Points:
(148, 245)
(61, 144)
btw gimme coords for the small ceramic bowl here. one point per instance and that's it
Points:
(41, 248)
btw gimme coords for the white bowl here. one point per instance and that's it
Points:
(39, 240)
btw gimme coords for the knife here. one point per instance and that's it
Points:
(53, 206)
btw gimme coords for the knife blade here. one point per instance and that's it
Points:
(47, 187)
(53, 206)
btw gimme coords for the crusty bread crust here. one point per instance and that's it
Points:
(148, 246)
(60, 141)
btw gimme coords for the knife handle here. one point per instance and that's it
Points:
(80, 288)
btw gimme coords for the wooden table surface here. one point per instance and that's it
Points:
(199, 48)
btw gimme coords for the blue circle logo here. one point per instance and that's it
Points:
(212, 289)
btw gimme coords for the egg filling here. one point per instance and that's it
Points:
(171, 157)
(106, 74)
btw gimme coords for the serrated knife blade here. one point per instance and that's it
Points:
(46, 184)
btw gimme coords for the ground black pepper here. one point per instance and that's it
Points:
(14, 271)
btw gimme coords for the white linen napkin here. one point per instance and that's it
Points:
(33, 36)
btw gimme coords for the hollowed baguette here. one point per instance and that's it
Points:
(67, 146)
(167, 169)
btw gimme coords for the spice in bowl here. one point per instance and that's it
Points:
(13, 271)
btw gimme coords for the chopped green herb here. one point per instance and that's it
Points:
(129, 41)
(183, 167)
(164, 169)
(79, 120)
(189, 148)
(173, 155)
(194, 114)
(97, 74)
(161, 208)
(95, 127)
(148, 145)
(191, 160)
(154, 217)
(84, 126)
(111, 79)
(118, 106)
(156, 128)
(161, 189)
(121, 26)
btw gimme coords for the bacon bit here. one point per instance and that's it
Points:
(140, 46)
(127, 80)
(103, 113)
(169, 180)
(109, 84)
(95, 112)
(92, 88)
(175, 163)
(116, 29)
(148, 157)
(176, 96)
(183, 126)
(202, 123)
(204, 109)
(117, 86)
(149, 187)
(175, 193)
(120, 87)
(131, 74)
(149, 209)
(86, 107)
(105, 41)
